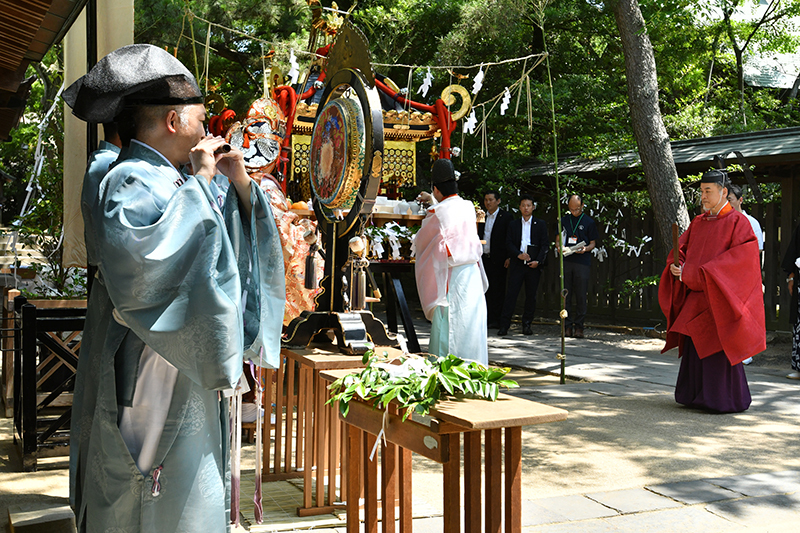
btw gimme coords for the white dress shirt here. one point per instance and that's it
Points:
(487, 230)
(526, 235)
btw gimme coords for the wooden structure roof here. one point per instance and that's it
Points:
(28, 29)
(771, 152)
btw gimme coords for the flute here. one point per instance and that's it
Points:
(224, 149)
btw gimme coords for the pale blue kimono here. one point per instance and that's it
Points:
(199, 287)
(96, 170)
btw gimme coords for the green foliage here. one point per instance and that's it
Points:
(52, 279)
(17, 157)
(631, 287)
(41, 226)
(417, 383)
(235, 64)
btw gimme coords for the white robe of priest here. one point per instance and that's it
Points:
(451, 280)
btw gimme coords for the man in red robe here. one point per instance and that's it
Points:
(713, 303)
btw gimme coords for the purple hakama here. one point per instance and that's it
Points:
(711, 383)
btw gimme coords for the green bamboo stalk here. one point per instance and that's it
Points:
(562, 317)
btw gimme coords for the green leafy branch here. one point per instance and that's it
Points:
(416, 383)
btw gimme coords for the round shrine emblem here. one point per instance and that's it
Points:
(337, 153)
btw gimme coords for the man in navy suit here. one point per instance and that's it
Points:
(527, 245)
(495, 255)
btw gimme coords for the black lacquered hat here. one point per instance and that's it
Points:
(443, 171)
(719, 177)
(137, 74)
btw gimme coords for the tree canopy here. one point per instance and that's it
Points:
(695, 45)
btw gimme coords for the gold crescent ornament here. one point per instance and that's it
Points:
(391, 84)
(215, 102)
(275, 78)
(449, 99)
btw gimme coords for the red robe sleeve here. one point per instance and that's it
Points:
(672, 293)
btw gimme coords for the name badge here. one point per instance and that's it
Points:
(573, 240)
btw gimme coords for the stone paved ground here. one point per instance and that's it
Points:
(628, 458)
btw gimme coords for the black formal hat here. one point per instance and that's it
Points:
(443, 171)
(720, 177)
(137, 74)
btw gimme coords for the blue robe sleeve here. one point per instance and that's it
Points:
(171, 272)
(259, 255)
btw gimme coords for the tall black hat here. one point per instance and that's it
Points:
(137, 74)
(443, 171)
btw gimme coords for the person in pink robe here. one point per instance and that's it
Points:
(449, 272)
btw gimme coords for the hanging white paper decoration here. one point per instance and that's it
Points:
(505, 102)
(426, 84)
(294, 70)
(477, 83)
(472, 121)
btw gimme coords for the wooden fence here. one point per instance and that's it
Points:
(609, 305)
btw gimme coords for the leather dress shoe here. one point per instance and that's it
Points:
(526, 329)
(568, 331)
(578, 332)
(502, 332)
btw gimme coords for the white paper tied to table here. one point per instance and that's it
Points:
(394, 242)
(395, 246)
(377, 246)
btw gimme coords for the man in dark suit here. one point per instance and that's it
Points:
(527, 245)
(495, 255)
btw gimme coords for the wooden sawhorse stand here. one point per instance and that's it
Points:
(500, 423)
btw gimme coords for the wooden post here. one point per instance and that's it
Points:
(266, 428)
(27, 398)
(353, 486)
(513, 479)
(405, 491)
(452, 486)
(370, 485)
(290, 404)
(279, 422)
(389, 477)
(472, 482)
(494, 480)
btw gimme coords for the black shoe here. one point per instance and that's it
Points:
(568, 331)
(526, 329)
(502, 332)
(578, 332)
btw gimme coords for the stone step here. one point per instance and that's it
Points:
(24, 253)
(33, 519)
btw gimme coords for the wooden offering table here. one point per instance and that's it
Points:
(500, 423)
(311, 449)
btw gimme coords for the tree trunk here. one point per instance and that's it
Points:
(652, 140)
(795, 86)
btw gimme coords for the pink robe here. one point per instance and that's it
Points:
(451, 280)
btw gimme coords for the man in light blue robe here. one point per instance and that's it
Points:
(185, 292)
